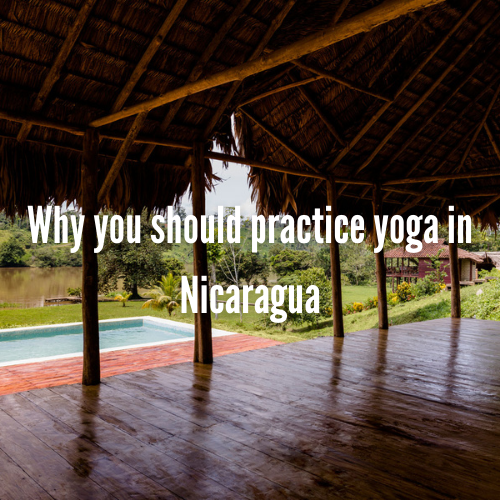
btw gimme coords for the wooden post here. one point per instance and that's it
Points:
(455, 279)
(338, 320)
(383, 319)
(203, 321)
(90, 315)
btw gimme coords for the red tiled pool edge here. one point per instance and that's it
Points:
(19, 378)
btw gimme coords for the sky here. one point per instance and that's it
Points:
(231, 191)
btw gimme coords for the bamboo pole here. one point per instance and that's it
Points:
(90, 315)
(485, 205)
(203, 321)
(492, 140)
(365, 21)
(383, 318)
(338, 319)
(56, 68)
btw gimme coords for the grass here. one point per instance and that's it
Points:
(433, 307)
(355, 293)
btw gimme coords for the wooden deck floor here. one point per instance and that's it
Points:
(409, 414)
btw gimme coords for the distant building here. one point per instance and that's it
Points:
(490, 260)
(406, 266)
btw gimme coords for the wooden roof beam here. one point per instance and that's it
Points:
(374, 118)
(281, 140)
(365, 21)
(78, 130)
(197, 71)
(389, 57)
(121, 156)
(56, 69)
(277, 90)
(438, 110)
(492, 140)
(274, 26)
(149, 53)
(464, 155)
(427, 93)
(322, 115)
(444, 177)
(341, 80)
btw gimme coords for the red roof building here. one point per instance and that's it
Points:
(406, 266)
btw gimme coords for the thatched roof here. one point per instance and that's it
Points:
(314, 127)
(440, 249)
(415, 136)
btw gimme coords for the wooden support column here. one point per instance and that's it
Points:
(203, 321)
(338, 319)
(383, 318)
(90, 167)
(455, 277)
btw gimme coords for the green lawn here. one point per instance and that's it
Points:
(436, 306)
(359, 293)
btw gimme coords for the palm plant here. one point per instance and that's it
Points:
(123, 297)
(166, 295)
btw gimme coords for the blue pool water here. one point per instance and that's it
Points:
(23, 344)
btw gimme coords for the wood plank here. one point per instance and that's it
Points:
(371, 415)
(366, 21)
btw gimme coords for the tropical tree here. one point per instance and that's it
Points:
(139, 265)
(166, 295)
(123, 297)
(12, 253)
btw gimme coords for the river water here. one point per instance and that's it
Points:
(30, 286)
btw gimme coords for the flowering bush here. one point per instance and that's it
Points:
(404, 292)
(357, 306)
(371, 303)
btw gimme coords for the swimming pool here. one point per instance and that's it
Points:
(41, 343)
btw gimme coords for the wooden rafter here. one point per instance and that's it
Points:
(456, 121)
(121, 156)
(464, 155)
(275, 25)
(492, 140)
(197, 71)
(277, 90)
(477, 174)
(341, 80)
(375, 116)
(281, 140)
(149, 53)
(389, 57)
(366, 21)
(57, 66)
(328, 122)
(427, 93)
(278, 168)
(464, 80)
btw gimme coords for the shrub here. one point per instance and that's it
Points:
(371, 303)
(426, 286)
(404, 292)
(357, 306)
